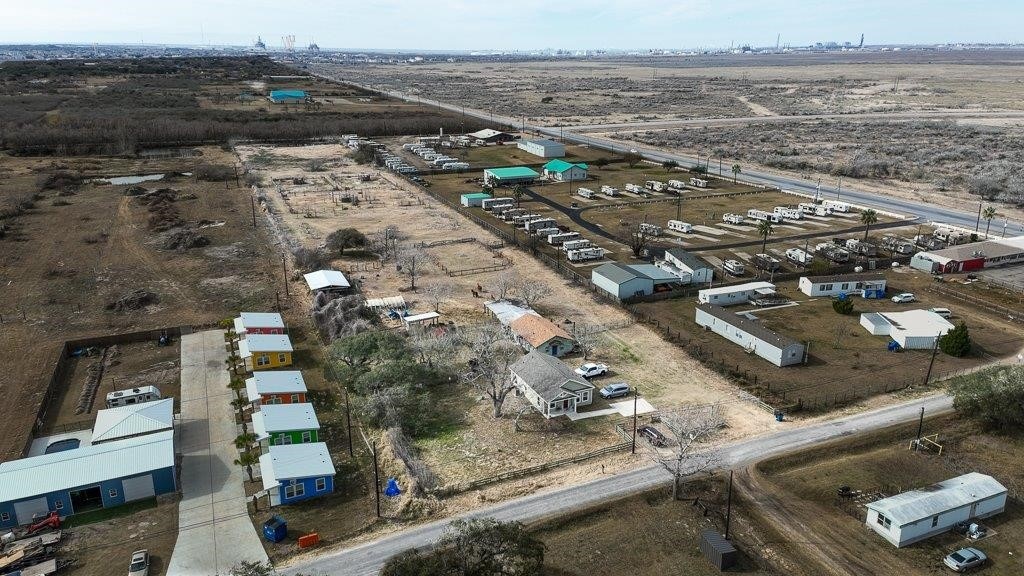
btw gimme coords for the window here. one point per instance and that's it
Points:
(58, 504)
(307, 437)
(262, 360)
(282, 358)
(295, 398)
(278, 440)
(275, 400)
(321, 484)
(294, 490)
(935, 521)
(112, 493)
(826, 287)
(286, 439)
(5, 516)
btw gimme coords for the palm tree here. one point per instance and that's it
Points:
(237, 385)
(244, 441)
(867, 218)
(232, 362)
(988, 215)
(247, 460)
(238, 404)
(736, 172)
(518, 192)
(764, 230)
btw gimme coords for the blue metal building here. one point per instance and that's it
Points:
(87, 478)
(287, 96)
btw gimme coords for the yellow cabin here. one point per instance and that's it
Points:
(265, 351)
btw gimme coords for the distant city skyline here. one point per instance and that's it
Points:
(531, 25)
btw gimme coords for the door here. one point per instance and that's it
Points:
(29, 508)
(138, 487)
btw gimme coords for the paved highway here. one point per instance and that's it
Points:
(367, 559)
(927, 212)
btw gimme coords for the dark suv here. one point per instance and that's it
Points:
(652, 435)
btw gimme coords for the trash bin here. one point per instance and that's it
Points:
(779, 416)
(275, 529)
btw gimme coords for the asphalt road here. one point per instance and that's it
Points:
(927, 212)
(367, 559)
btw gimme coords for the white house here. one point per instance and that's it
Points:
(738, 294)
(751, 335)
(550, 385)
(327, 281)
(563, 171)
(911, 329)
(535, 332)
(869, 284)
(687, 267)
(913, 516)
(543, 148)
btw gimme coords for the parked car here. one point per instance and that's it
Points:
(139, 565)
(944, 312)
(904, 298)
(964, 559)
(614, 390)
(652, 435)
(591, 369)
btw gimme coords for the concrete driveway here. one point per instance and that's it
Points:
(214, 530)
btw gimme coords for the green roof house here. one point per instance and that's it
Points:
(563, 171)
(509, 176)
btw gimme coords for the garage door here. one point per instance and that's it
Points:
(138, 487)
(25, 510)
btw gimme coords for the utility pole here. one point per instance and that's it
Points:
(935, 350)
(348, 422)
(284, 266)
(719, 166)
(728, 507)
(376, 478)
(920, 427)
(252, 201)
(679, 207)
(636, 394)
(977, 225)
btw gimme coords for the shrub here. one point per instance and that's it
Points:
(995, 397)
(214, 172)
(308, 260)
(843, 306)
(956, 342)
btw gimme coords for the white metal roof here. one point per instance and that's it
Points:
(326, 279)
(507, 312)
(937, 498)
(485, 133)
(294, 461)
(133, 420)
(420, 317)
(261, 320)
(284, 418)
(739, 288)
(917, 323)
(274, 382)
(31, 477)
(386, 302)
(253, 343)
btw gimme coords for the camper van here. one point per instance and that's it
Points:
(862, 248)
(609, 191)
(789, 213)
(562, 238)
(832, 252)
(799, 256)
(762, 215)
(133, 396)
(836, 205)
(698, 182)
(734, 267)
(655, 185)
(680, 226)
(585, 192)
(677, 185)
(766, 262)
(730, 218)
(576, 244)
(585, 254)
(634, 188)
(650, 229)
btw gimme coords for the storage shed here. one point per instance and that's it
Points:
(738, 294)
(751, 335)
(327, 281)
(133, 420)
(276, 387)
(719, 551)
(544, 148)
(911, 329)
(88, 478)
(509, 176)
(475, 199)
(282, 424)
(913, 516)
(297, 472)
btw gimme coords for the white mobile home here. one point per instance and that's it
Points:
(738, 294)
(686, 266)
(751, 335)
(913, 516)
(866, 285)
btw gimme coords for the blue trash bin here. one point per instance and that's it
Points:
(275, 529)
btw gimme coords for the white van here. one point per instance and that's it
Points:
(944, 312)
(133, 396)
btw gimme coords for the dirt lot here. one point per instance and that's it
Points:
(846, 363)
(104, 546)
(478, 437)
(57, 286)
(499, 155)
(649, 535)
(798, 497)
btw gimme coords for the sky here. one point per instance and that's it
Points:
(511, 25)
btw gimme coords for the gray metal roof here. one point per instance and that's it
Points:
(865, 277)
(752, 327)
(273, 418)
(294, 461)
(617, 273)
(690, 260)
(547, 375)
(875, 319)
(947, 495)
(546, 143)
(38, 475)
(274, 382)
(133, 420)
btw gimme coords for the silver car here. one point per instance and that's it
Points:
(139, 565)
(964, 559)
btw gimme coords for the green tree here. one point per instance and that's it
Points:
(236, 385)
(632, 158)
(956, 342)
(699, 169)
(475, 547)
(764, 230)
(867, 218)
(518, 191)
(600, 162)
(670, 165)
(843, 306)
(736, 172)
(994, 397)
(245, 440)
(364, 155)
(988, 214)
(232, 362)
(247, 460)
(344, 238)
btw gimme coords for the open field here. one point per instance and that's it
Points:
(798, 497)
(846, 363)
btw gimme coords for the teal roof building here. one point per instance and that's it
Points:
(508, 176)
(286, 96)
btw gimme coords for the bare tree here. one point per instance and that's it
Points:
(411, 261)
(689, 427)
(518, 407)
(438, 292)
(586, 336)
(532, 291)
(503, 285)
(436, 350)
(384, 243)
(639, 238)
(488, 372)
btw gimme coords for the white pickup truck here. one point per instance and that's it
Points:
(591, 369)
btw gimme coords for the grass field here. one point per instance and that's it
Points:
(803, 487)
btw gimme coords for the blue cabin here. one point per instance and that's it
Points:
(296, 472)
(87, 478)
